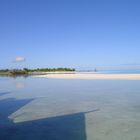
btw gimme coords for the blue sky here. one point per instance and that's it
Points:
(83, 34)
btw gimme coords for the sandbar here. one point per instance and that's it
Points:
(91, 76)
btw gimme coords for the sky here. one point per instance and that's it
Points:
(81, 34)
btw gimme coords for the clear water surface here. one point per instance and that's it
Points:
(53, 109)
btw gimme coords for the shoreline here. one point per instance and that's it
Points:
(90, 76)
(34, 73)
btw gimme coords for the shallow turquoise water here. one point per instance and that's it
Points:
(50, 109)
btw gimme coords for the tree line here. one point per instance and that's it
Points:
(26, 71)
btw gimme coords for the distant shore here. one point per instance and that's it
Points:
(38, 71)
(91, 76)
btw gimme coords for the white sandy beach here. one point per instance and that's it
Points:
(92, 76)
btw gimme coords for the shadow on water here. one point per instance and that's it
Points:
(4, 93)
(68, 127)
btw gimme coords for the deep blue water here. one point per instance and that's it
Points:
(120, 71)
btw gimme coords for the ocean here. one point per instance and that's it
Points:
(126, 71)
(55, 109)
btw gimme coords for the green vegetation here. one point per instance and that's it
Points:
(25, 71)
(18, 72)
(13, 72)
(49, 70)
(4, 72)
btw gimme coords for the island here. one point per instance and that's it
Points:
(38, 71)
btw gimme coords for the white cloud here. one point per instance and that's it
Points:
(20, 59)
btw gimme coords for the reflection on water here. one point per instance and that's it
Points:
(69, 109)
(20, 85)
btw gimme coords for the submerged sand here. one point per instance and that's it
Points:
(92, 76)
